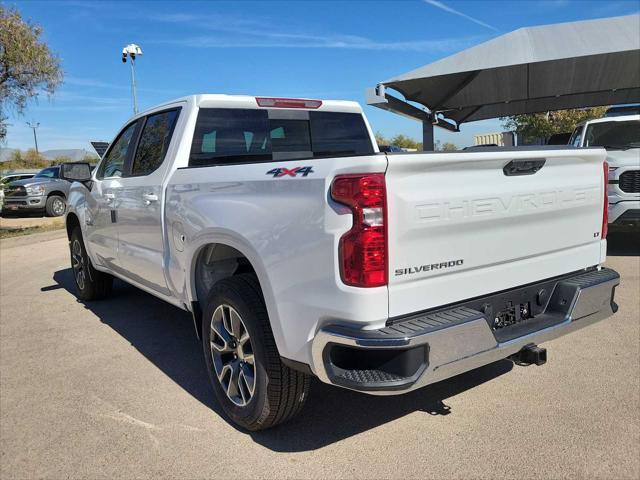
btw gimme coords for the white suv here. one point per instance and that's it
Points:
(620, 136)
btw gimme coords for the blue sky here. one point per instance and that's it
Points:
(329, 49)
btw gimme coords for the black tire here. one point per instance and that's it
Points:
(279, 392)
(52, 207)
(91, 284)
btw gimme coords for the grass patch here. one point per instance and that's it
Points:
(21, 231)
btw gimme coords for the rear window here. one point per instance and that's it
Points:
(243, 136)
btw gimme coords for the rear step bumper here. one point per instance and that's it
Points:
(431, 347)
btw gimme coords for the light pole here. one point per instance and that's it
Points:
(34, 125)
(132, 50)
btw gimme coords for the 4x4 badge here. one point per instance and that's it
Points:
(293, 172)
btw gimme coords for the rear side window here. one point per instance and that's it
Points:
(339, 134)
(154, 142)
(242, 135)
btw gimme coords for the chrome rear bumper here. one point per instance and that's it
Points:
(434, 346)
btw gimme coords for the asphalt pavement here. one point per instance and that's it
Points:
(118, 389)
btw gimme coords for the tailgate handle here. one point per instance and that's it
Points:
(523, 167)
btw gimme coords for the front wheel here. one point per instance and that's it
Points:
(255, 389)
(55, 206)
(91, 284)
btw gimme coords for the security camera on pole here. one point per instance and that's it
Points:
(132, 50)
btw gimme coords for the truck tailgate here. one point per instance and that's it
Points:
(461, 224)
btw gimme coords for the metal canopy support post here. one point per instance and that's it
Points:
(377, 97)
(428, 144)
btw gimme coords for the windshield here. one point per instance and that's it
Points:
(613, 135)
(48, 173)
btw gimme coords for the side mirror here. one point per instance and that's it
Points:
(76, 172)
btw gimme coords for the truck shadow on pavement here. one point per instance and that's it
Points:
(164, 335)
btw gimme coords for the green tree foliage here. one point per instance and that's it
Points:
(380, 139)
(25, 160)
(405, 142)
(543, 125)
(27, 65)
(448, 147)
(31, 160)
(399, 140)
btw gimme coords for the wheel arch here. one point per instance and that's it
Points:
(71, 223)
(215, 260)
(58, 193)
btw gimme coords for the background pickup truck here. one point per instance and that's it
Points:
(620, 136)
(46, 192)
(301, 250)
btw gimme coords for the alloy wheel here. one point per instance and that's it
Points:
(58, 207)
(78, 263)
(232, 355)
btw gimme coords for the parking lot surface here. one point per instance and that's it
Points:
(118, 389)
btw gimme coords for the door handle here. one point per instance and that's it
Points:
(109, 197)
(149, 197)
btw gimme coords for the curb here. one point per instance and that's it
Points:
(24, 240)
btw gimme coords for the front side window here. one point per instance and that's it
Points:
(48, 173)
(154, 142)
(242, 135)
(113, 163)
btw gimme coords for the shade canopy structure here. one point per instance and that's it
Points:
(530, 70)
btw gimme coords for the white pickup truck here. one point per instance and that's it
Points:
(620, 136)
(301, 250)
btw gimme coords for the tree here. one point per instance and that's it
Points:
(25, 160)
(403, 141)
(380, 139)
(27, 65)
(448, 147)
(543, 125)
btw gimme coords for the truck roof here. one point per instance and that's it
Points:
(619, 118)
(245, 101)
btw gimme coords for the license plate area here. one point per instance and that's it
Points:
(512, 314)
(522, 310)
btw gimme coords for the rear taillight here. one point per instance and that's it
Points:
(605, 206)
(363, 249)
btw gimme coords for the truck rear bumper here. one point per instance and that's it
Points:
(425, 348)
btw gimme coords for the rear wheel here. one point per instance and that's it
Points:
(253, 386)
(91, 284)
(55, 206)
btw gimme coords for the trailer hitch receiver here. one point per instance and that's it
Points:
(530, 354)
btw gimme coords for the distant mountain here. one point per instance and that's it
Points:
(6, 153)
(75, 154)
